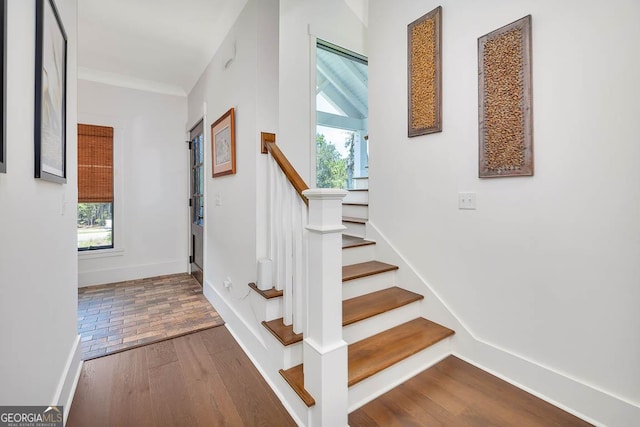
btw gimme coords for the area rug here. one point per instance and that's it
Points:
(124, 315)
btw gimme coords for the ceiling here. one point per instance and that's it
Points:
(165, 44)
(157, 45)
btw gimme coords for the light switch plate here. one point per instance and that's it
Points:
(467, 201)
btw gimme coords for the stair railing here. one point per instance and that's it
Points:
(306, 253)
(289, 214)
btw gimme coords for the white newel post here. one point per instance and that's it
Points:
(324, 350)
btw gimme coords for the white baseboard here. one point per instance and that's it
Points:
(120, 274)
(586, 401)
(254, 347)
(69, 379)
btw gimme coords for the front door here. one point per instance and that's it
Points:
(196, 202)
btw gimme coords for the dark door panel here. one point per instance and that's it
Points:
(196, 137)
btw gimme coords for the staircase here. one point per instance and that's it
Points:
(388, 341)
(355, 208)
(381, 338)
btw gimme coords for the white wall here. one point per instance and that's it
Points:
(39, 359)
(301, 22)
(547, 268)
(235, 228)
(151, 179)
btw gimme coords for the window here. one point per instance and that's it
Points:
(95, 187)
(341, 116)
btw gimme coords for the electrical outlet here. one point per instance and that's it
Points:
(467, 201)
(227, 284)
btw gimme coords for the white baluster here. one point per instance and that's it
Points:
(298, 290)
(271, 180)
(282, 188)
(304, 211)
(288, 254)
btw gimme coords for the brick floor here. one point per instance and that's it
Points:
(124, 315)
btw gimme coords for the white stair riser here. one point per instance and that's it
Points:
(367, 390)
(361, 183)
(265, 309)
(355, 229)
(376, 324)
(366, 285)
(356, 211)
(285, 356)
(293, 355)
(358, 254)
(356, 197)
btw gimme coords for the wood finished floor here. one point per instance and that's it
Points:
(455, 393)
(205, 379)
(125, 315)
(200, 379)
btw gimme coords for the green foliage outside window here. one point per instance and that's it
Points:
(332, 170)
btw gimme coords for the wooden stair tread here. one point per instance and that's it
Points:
(372, 304)
(354, 242)
(353, 219)
(364, 269)
(373, 354)
(269, 293)
(295, 378)
(353, 310)
(283, 333)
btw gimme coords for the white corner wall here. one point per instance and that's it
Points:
(236, 205)
(301, 23)
(39, 361)
(545, 273)
(151, 178)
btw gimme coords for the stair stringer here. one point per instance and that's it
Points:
(547, 383)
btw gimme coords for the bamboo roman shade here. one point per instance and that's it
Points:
(95, 164)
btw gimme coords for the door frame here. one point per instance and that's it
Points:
(205, 139)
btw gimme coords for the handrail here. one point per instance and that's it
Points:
(287, 168)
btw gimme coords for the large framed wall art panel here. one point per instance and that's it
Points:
(51, 94)
(505, 111)
(424, 68)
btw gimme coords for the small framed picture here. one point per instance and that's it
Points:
(51, 94)
(223, 144)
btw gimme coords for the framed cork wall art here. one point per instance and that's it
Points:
(425, 74)
(505, 106)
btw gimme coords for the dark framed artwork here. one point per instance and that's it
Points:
(223, 144)
(505, 112)
(3, 66)
(51, 94)
(425, 74)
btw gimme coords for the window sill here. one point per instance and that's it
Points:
(100, 253)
